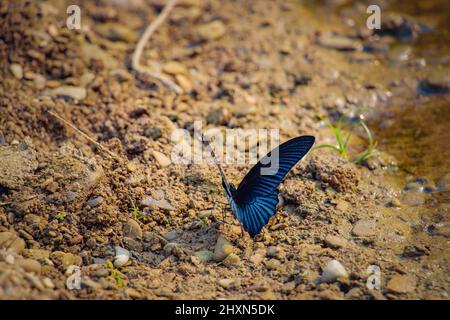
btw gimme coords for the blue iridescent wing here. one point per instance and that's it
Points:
(259, 183)
(256, 198)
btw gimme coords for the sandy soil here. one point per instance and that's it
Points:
(241, 64)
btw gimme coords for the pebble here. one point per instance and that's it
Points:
(16, 70)
(364, 228)
(438, 81)
(288, 287)
(339, 42)
(401, 284)
(333, 270)
(94, 202)
(226, 283)
(219, 116)
(443, 183)
(48, 283)
(414, 199)
(231, 260)
(132, 230)
(117, 32)
(30, 265)
(90, 284)
(171, 235)
(65, 259)
(122, 256)
(184, 82)
(222, 249)
(9, 240)
(204, 255)
(148, 201)
(273, 264)
(275, 252)
(76, 93)
(335, 242)
(212, 30)
(174, 68)
(161, 158)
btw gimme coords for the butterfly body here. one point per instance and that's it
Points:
(255, 200)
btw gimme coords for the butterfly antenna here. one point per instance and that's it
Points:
(200, 137)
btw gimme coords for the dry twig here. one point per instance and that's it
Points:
(136, 65)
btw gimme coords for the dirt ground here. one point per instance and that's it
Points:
(65, 202)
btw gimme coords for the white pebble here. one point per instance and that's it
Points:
(122, 257)
(333, 270)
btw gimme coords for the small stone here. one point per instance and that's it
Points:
(226, 283)
(65, 259)
(174, 68)
(132, 230)
(443, 183)
(95, 202)
(90, 284)
(288, 287)
(9, 240)
(401, 284)
(16, 70)
(152, 203)
(339, 42)
(273, 264)
(212, 30)
(184, 82)
(275, 252)
(332, 271)
(161, 158)
(122, 256)
(171, 235)
(364, 228)
(204, 255)
(223, 249)
(342, 206)
(205, 214)
(231, 260)
(30, 265)
(76, 93)
(395, 202)
(335, 242)
(414, 199)
(48, 283)
(220, 116)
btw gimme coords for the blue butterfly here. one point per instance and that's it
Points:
(255, 200)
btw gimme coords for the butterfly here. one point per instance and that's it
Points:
(255, 200)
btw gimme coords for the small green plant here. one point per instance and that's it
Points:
(342, 141)
(371, 148)
(203, 222)
(60, 216)
(136, 215)
(115, 274)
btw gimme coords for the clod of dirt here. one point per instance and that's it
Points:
(17, 165)
(335, 172)
(401, 284)
(364, 228)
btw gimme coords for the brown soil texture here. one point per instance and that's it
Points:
(262, 64)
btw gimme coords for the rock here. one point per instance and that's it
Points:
(364, 228)
(171, 235)
(9, 240)
(335, 242)
(133, 244)
(161, 158)
(76, 93)
(174, 68)
(132, 230)
(288, 287)
(30, 265)
(184, 82)
(273, 264)
(443, 183)
(332, 271)
(16, 70)
(122, 256)
(93, 53)
(94, 202)
(226, 283)
(65, 259)
(48, 283)
(16, 165)
(223, 249)
(231, 260)
(338, 42)
(219, 116)
(396, 203)
(205, 214)
(414, 199)
(401, 284)
(204, 255)
(152, 203)
(212, 30)
(275, 252)
(37, 254)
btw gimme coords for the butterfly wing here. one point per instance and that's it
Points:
(256, 198)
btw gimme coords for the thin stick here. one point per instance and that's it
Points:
(112, 154)
(135, 64)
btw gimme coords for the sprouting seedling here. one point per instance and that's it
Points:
(371, 148)
(115, 274)
(342, 142)
(60, 216)
(203, 222)
(136, 215)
